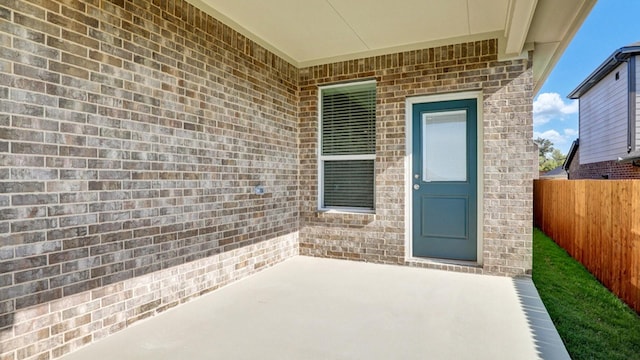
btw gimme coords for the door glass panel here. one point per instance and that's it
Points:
(444, 146)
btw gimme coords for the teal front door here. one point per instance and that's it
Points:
(444, 180)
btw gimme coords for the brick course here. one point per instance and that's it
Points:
(132, 133)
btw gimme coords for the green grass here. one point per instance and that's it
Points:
(592, 322)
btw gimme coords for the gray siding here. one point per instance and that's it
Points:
(637, 103)
(603, 119)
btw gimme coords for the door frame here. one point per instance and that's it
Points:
(408, 163)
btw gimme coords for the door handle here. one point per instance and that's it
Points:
(416, 186)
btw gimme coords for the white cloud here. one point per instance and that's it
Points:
(548, 106)
(558, 139)
(552, 135)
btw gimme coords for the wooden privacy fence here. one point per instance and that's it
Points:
(598, 223)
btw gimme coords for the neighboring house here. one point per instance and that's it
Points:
(570, 164)
(609, 146)
(557, 174)
(153, 151)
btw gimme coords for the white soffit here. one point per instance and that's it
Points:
(386, 24)
(552, 28)
(312, 32)
(487, 16)
(519, 16)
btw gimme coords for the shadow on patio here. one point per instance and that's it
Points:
(312, 308)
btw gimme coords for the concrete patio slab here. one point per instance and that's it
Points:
(312, 308)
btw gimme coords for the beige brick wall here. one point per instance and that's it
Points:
(55, 328)
(132, 133)
(508, 153)
(508, 160)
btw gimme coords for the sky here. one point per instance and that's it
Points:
(611, 25)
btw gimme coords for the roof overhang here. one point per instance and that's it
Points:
(571, 154)
(613, 61)
(518, 20)
(314, 32)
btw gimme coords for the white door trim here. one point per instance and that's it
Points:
(408, 161)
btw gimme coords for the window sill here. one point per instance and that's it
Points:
(346, 212)
(346, 218)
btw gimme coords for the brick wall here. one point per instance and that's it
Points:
(52, 329)
(602, 170)
(132, 134)
(508, 154)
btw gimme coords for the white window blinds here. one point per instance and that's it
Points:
(348, 144)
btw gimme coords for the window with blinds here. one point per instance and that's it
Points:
(347, 146)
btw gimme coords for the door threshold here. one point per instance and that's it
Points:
(446, 264)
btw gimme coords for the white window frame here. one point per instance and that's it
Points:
(323, 158)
